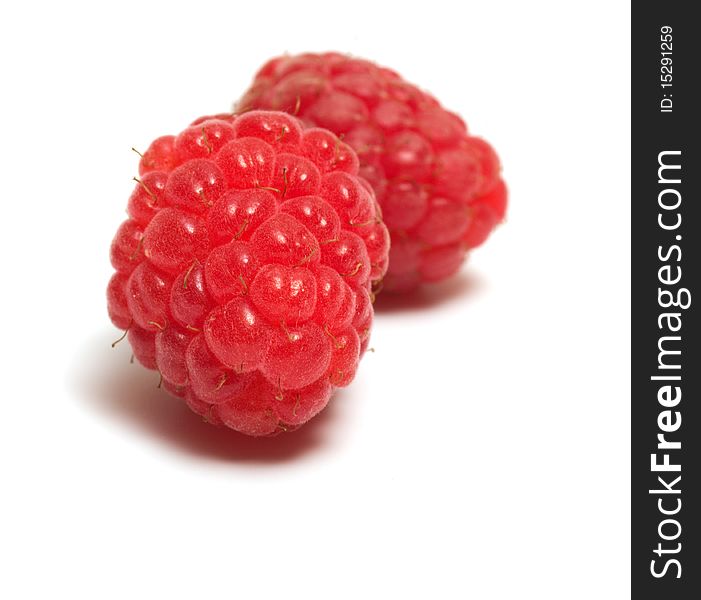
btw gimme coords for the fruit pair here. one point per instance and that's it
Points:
(246, 270)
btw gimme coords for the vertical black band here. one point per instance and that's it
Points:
(666, 266)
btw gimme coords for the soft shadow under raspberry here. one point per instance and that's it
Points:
(106, 381)
(457, 288)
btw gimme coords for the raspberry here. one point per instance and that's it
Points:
(440, 188)
(245, 269)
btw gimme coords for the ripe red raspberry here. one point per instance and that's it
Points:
(244, 271)
(439, 187)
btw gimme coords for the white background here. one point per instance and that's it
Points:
(483, 450)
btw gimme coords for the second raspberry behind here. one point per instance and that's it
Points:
(440, 188)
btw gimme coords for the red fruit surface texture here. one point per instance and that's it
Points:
(245, 269)
(439, 187)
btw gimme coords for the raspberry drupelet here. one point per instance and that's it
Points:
(439, 187)
(244, 272)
